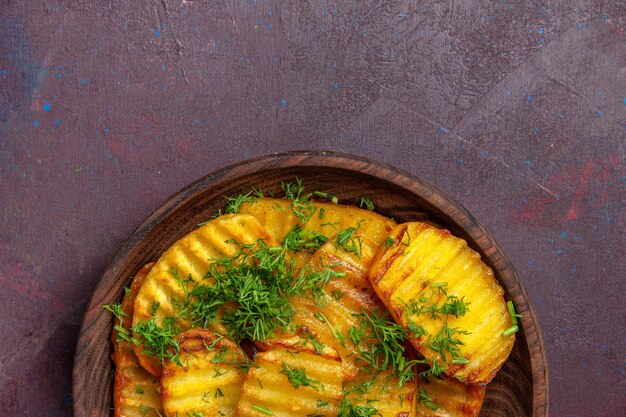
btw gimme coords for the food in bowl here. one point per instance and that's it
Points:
(340, 312)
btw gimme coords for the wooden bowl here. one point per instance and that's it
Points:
(519, 389)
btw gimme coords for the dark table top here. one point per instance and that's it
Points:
(516, 109)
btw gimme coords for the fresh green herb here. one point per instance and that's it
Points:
(309, 339)
(512, 313)
(145, 409)
(153, 307)
(126, 290)
(321, 403)
(234, 203)
(337, 294)
(300, 240)
(116, 309)
(446, 343)
(388, 351)
(257, 192)
(158, 341)
(322, 212)
(426, 399)
(333, 198)
(348, 409)
(349, 241)
(206, 396)
(367, 202)
(263, 410)
(301, 205)
(140, 390)
(337, 335)
(298, 378)
(219, 393)
(511, 330)
(388, 242)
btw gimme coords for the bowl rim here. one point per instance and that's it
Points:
(360, 165)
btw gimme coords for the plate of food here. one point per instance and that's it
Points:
(310, 284)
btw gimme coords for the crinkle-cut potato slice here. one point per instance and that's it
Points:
(135, 391)
(384, 395)
(190, 256)
(449, 398)
(210, 378)
(277, 217)
(292, 380)
(329, 319)
(423, 257)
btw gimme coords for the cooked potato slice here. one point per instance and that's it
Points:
(427, 269)
(449, 398)
(277, 217)
(210, 378)
(329, 318)
(191, 256)
(383, 397)
(135, 391)
(292, 380)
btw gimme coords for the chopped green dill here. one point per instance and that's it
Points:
(116, 310)
(388, 242)
(337, 294)
(388, 351)
(234, 203)
(153, 308)
(331, 197)
(159, 341)
(263, 410)
(435, 370)
(145, 409)
(140, 390)
(349, 241)
(302, 240)
(348, 409)
(321, 403)
(257, 192)
(322, 213)
(367, 202)
(206, 396)
(511, 330)
(309, 339)
(426, 399)
(218, 393)
(301, 204)
(512, 313)
(297, 377)
(126, 290)
(337, 335)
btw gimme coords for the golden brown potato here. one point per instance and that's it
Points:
(292, 380)
(135, 391)
(449, 398)
(210, 378)
(384, 396)
(329, 318)
(168, 282)
(436, 286)
(277, 217)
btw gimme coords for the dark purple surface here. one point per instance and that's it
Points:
(516, 109)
